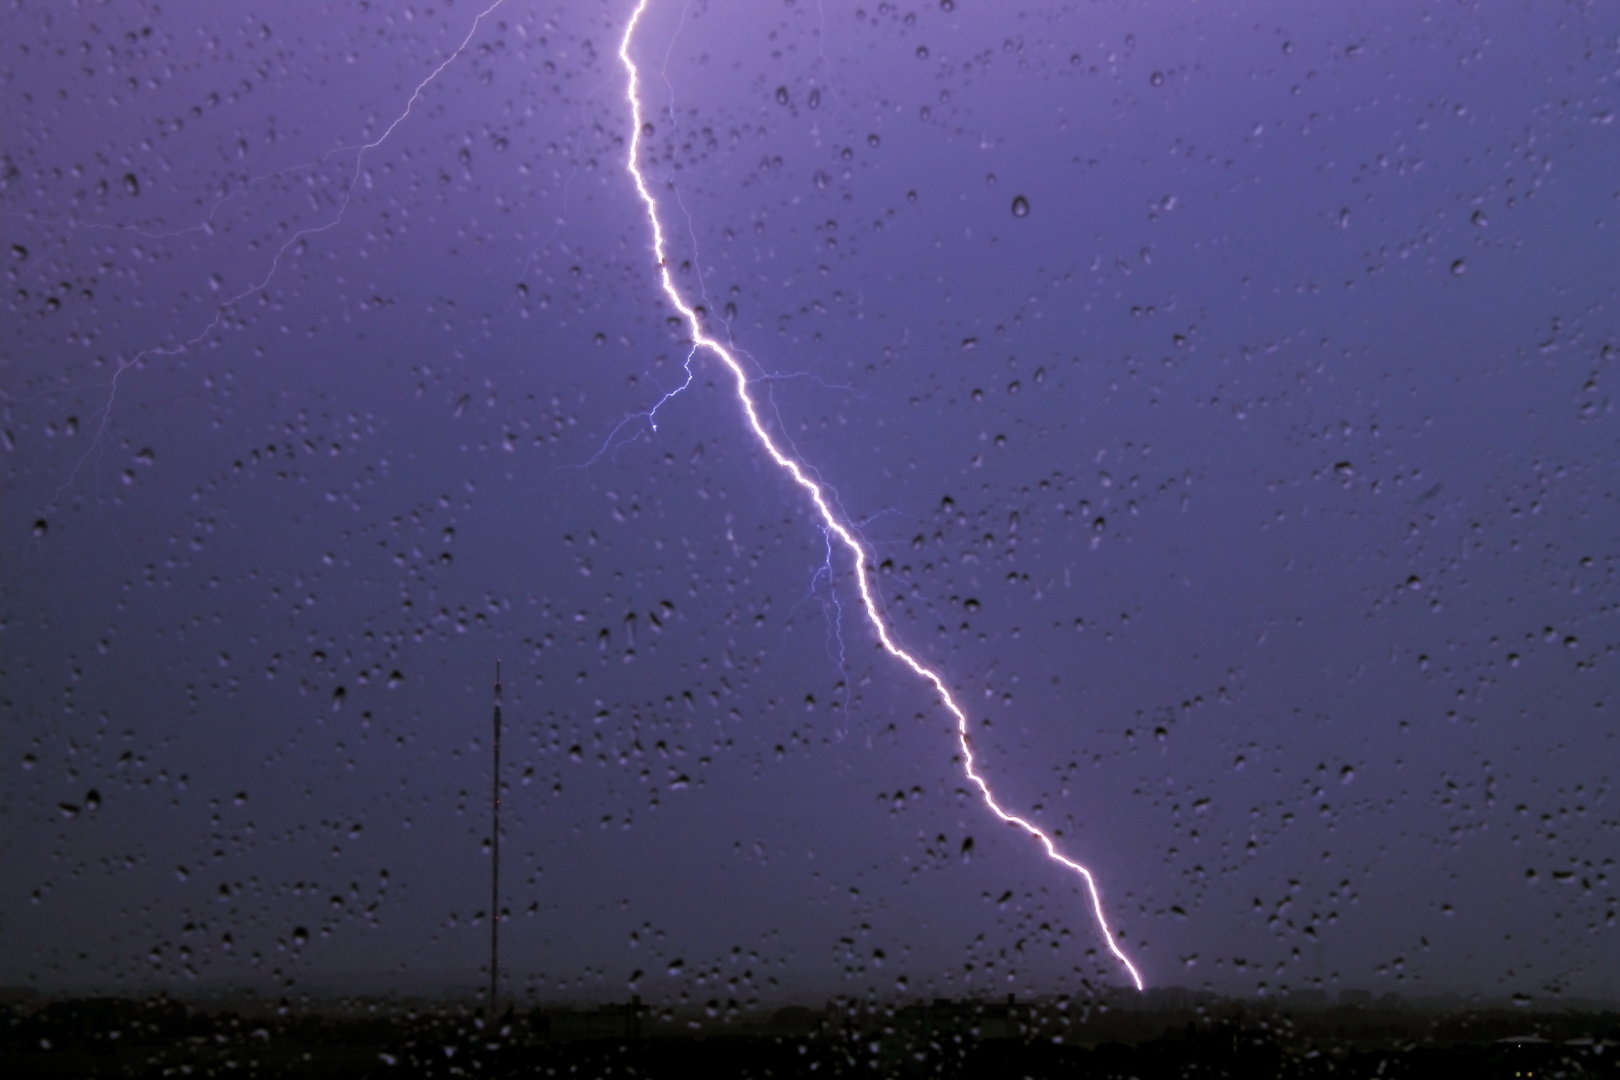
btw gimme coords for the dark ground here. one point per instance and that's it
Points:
(1193, 1037)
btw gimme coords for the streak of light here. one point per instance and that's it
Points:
(817, 496)
(224, 306)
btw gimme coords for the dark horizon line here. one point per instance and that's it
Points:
(1149, 1000)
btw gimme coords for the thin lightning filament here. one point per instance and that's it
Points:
(817, 496)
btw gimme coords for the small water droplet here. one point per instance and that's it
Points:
(1020, 207)
(40, 528)
(1157, 78)
(781, 95)
(132, 185)
(922, 52)
(815, 98)
(1459, 268)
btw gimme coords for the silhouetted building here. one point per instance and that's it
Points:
(603, 1022)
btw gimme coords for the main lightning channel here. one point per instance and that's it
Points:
(819, 498)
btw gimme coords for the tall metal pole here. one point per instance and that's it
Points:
(495, 852)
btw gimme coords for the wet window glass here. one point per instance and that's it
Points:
(993, 520)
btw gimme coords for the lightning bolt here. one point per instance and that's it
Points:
(223, 308)
(831, 522)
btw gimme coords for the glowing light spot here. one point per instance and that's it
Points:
(831, 523)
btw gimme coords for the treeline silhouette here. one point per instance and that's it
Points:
(107, 1037)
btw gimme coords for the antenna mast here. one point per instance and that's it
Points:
(495, 852)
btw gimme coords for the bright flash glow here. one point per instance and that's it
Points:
(830, 520)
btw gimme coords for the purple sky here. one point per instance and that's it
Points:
(1255, 490)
